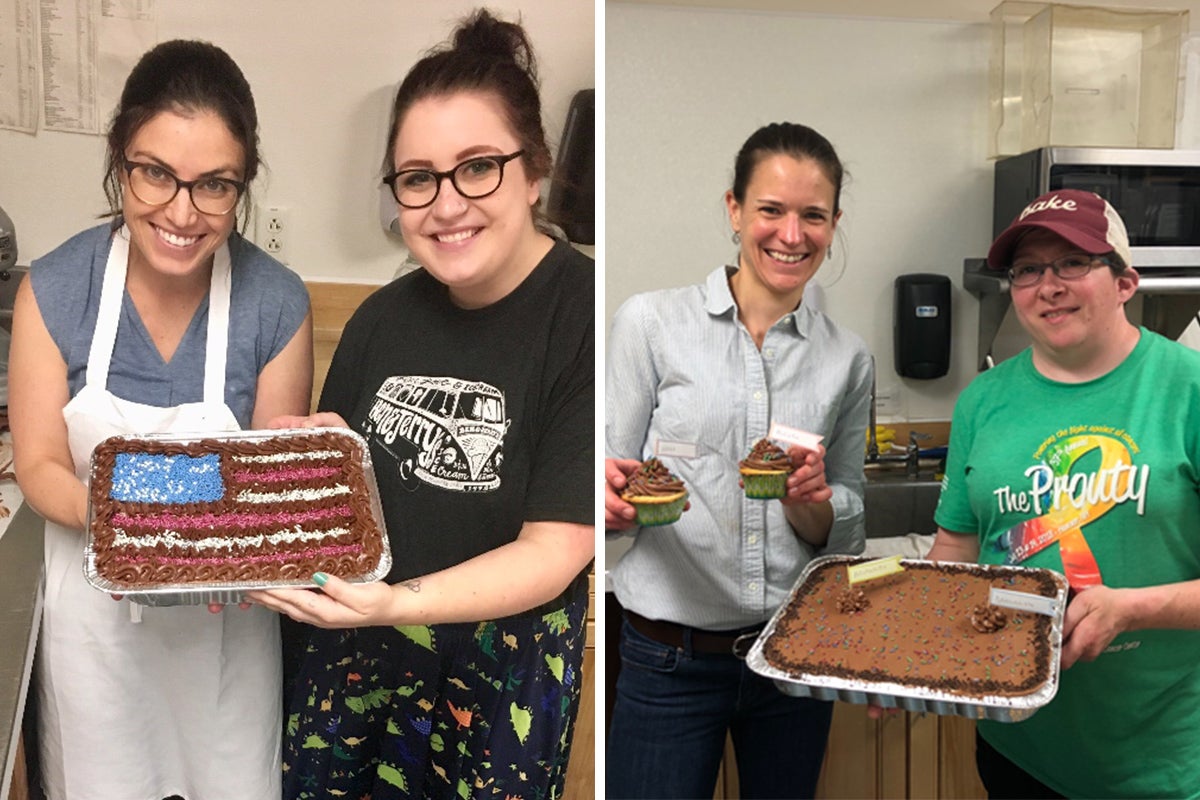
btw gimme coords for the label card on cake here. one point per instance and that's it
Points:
(785, 433)
(1023, 601)
(876, 568)
(663, 447)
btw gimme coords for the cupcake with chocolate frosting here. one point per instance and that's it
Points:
(764, 472)
(658, 496)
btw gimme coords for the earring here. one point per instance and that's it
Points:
(737, 238)
(829, 251)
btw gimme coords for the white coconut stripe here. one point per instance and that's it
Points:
(176, 540)
(292, 495)
(280, 458)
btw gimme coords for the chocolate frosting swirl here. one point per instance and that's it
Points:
(987, 618)
(852, 600)
(651, 479)
(766, 455)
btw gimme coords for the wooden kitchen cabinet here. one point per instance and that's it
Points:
(907, 755)
(957, 775)
(19, 788)
(332, 306)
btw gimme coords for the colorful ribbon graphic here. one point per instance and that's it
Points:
(1072, 501)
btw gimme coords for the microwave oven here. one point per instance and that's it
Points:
(1156, 192)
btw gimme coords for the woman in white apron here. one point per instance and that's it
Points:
(166, 321)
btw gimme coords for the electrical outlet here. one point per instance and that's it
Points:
(274, 231)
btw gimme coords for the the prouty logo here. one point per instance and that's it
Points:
(1118, 484)
(1049, 204)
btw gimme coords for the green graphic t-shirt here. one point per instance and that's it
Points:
(1099, 481)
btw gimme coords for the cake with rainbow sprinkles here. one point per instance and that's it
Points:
(930, 626)
(261, 510)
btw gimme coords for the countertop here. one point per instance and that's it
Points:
(20, 614)
(910, 545)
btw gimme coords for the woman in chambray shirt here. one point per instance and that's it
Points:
(714, 365)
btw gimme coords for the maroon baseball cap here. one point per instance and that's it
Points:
(1084, 219)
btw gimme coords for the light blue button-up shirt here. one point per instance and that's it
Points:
(682, 368)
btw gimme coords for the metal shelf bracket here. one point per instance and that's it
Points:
(991, 288)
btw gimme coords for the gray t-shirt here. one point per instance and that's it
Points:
(267, 305)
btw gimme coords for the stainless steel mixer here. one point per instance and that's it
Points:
(8, 241)
(9, 279)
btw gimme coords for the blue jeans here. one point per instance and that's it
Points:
(672, 710)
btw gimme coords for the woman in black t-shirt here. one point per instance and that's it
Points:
(472, 381)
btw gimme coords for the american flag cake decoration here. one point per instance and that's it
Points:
(258, 509)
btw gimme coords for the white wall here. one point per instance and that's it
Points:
(322, 75)
(903, 101)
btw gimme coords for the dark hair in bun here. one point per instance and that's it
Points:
(484, 54)
(790, 139)
(189, 76)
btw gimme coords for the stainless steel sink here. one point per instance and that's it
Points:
(897, 504)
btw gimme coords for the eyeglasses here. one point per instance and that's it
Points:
(157, 186)
(473, 179)
(1070, 268)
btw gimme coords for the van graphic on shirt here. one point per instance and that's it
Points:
(446, 432)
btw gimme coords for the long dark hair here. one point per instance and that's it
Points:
(190, 76)
(484, 54)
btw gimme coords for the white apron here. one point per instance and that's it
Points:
(181, 701)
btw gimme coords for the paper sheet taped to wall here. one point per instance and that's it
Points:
(67, 60)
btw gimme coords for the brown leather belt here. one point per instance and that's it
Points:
(728, 643)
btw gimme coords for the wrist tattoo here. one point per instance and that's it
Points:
(414, 586)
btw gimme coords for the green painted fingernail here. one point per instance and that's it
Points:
(320, 578)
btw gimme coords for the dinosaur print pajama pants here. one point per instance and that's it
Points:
(471, 710)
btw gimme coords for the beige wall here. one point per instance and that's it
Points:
(322, 74)
(903, 98)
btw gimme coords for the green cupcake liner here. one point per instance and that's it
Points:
(650, 514)
(765, 487)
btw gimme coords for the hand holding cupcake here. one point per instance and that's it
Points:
(806, 485)
(656, 494)
(764, 472)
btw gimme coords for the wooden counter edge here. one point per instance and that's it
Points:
(21, 559)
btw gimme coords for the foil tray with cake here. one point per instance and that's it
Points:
(193, 519)
(925, 637)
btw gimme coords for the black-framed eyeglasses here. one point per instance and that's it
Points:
(156, 186)
(1070, 267)
(474, 178)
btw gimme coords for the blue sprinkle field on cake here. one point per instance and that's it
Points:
(158, 478)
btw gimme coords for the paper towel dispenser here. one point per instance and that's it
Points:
(921, 325)
(572, 201)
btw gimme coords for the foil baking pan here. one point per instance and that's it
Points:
(231, 592)
(1002, 708)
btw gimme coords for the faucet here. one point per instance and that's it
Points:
(911, 459)
(872, 445)
(912, 451)
(912, 454)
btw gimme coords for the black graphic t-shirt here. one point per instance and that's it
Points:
(478, 420)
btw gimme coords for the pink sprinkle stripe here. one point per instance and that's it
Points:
(285, 475)
(230, 520)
